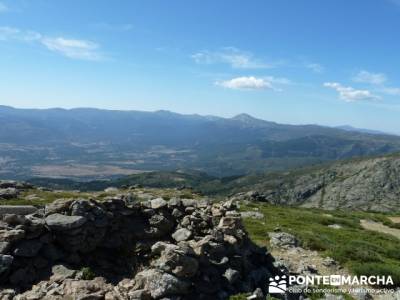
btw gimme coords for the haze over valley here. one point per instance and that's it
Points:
(92, 143)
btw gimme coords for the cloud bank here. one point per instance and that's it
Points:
(350, 94)
(71, 48)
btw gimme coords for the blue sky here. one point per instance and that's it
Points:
(305, 61)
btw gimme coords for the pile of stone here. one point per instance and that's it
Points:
(10, 189)
(156, 249)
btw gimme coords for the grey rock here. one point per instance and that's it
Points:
(4, 247)
(7, 294)
(61, 272)
(175, 261)
(174, 202)
(329, 262)
(283, 239)
(5, 263)
(63, 222)
(364, 184)
(160, 284)
(189, 202)
(158, 203)
(232, 275)
(182, 234)
(17, 209)
(335, 226)
(139, 295)
(58, 206)
(252, 215)
(11, 235)
(9, 193)
(13, 219)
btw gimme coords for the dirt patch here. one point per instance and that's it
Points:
(394, 219)
(379, 227)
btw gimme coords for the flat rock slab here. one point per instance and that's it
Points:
(17, 209)
(62, 222)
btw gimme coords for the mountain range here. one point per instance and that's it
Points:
(89, 143)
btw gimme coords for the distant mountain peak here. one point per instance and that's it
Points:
(244, 117)
(251, 121)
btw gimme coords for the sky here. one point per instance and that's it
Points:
(331, 62)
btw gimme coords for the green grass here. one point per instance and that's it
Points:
(362, 252)
(87, 273)
(43, 197)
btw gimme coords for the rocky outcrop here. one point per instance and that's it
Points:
(10, 189)
(156, 249)
(363, 184)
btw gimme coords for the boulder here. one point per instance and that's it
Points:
(58, 206)
(176, 261)
(61, 272)
(160, 284)
(283, 239)
(158, 203)
(182, 234)
(17, 209)
(59, 222)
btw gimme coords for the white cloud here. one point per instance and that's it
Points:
(252, 83)
(350, 94)
(3, 7)
(378, 80)
(317, 68)
(234, 57)
(370, 78)
(71, 48)
(77, 49)
(8, 33)
(11, 33)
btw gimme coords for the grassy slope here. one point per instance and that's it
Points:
(363, 252)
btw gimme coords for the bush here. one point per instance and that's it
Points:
(87, 273)
(314, 241)
(378, 269)
(356, 251)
